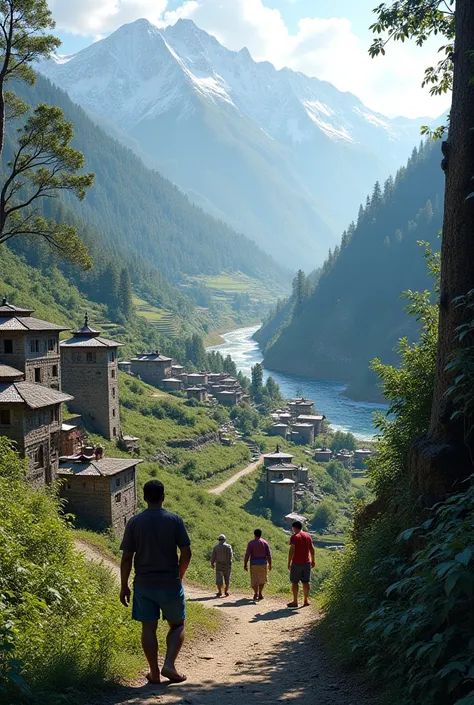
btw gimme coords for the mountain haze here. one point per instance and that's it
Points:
(355, 312)
(141, 213)
(280, 156)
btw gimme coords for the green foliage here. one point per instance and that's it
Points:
(342, 441)
(409, 389)
(339, 473)
(419, 20)
(423, 629)
(356, 304)
(326, 515)
(23, 39)
(60, 621)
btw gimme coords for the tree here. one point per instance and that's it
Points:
(43, 162)
(22, 41)
(126, 294)
(256, 386)
(441, 457)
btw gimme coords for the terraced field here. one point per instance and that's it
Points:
(164, 321)
(227, 284)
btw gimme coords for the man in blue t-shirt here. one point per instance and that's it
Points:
(150, 542)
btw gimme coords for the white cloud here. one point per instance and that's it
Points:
(325, 48)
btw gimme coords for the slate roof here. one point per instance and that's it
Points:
(151, 357)
(311, 417)
(100, 468)
(10, 373)
(25, 323)
(33, 395)
(98, 342)
(278, 455)
(7, 309)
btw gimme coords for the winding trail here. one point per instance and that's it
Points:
(232, 480)
(264, 653)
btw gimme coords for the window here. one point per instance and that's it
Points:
(38, 457)
(113, 413)
(51, 344)
(118, 497)
(5, 417)
(56, 413)
(37, 374)
(90, 357)
(113, 374)
(114, 432)
(8, 347)
(54, 371)
(113, 392)
(34, 346)
(112, 357)
(117, 481)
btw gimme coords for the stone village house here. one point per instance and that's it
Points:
(90, 373)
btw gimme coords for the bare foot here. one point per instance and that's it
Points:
(173, 675)
(227, 593)
(292, 604)
(255, 597)
(219, 594)
(260, 597)
(153, 681)
(306, 604)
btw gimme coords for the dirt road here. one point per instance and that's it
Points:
(232, 480)
(265, 653)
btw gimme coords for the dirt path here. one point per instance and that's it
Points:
(266, 653)
(232, 480)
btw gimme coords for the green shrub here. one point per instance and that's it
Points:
(61, 624)
(424, 627)
(326, 515)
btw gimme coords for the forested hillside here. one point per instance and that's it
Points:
(355, 313)
(141, 212)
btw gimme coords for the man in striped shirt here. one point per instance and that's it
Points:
(260, 556)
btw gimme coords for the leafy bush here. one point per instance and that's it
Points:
(326, 514)
(61, 625)
(424, 628)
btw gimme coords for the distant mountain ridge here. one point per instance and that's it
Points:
(356, 312)
(280, 156)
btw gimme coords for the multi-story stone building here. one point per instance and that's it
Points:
(90, 373)
(30, 345)
(100, 491)
(152, 367)
(30, 415)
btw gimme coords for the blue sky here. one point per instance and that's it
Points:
(324, 38)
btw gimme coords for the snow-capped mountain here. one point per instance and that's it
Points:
(281, 156)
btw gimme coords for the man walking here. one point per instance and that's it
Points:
(300, 562)
(260, 556)
(221, 560)
(152, 538)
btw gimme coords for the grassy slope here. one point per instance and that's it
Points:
(236, 512)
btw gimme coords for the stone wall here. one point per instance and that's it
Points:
(101, 502)
(151, 371)
(46, 358)
(91, 377)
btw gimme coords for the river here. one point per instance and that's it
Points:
(343, 413)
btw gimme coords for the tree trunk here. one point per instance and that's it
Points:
(441, 458)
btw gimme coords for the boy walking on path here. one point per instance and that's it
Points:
(221, 560)
(260, 556)
(300, 562)
(152, 539)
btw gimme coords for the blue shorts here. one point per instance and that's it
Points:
(149, 602)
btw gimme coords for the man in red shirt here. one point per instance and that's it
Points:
(300, 562)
